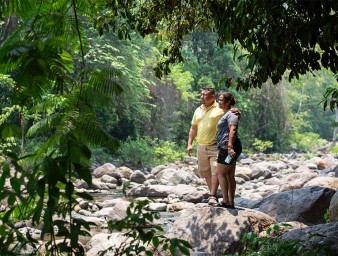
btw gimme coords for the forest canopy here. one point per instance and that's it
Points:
(278, 36)
(78, 89)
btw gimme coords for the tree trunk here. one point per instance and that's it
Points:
(334, 138)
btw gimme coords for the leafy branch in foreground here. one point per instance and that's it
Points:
(141, 235)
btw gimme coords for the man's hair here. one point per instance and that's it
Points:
(209, 89)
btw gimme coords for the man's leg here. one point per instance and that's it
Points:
(204, 168)
(213, 152)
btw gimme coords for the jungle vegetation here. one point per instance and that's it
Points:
(89, 82)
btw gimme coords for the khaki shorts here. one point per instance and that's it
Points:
(207, 156)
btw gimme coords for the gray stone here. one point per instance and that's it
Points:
(307, 205)
(314, 237)
(216, 230)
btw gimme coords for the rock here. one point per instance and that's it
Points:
(322, 164)
(284, 227)
(125, 172)
(314, 237)
(273, 181)
(84, 204)
(307, 205)
(138, 177)
(108, 179)
(102, 242)
(190, 160)
(247, 161)
(158, 207)
(89, 219)
(243, 172)
(108, 169)
(297, 180)
(150, 191)
(327, 182)
(77, 208)
(174, 176)
(261, 171)
(179, 206)
(188, 193)
(98, 185)
(248, 203)
(157, 169)
(333, 209)
(216, 230)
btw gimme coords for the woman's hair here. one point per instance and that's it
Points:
(228, 96)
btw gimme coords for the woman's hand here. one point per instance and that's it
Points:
(231, 152)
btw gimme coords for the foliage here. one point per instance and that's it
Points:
(142, 235)
(299, 40)
(48, 191)
(334, 149)
(59, 94)
(262, 146)
(145, 151)
(272, 244)
(167, 152)
(331, 98)
(306, 142)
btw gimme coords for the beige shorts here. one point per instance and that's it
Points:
(207, 160)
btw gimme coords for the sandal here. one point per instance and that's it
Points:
(225, 205)
(213, 200)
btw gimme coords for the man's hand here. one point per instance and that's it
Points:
(189, 149)
(236, 111)
(192, 135)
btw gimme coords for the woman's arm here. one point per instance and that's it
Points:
(232, 137)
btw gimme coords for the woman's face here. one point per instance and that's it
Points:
(221, 101)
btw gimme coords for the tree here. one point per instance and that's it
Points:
(278, 36)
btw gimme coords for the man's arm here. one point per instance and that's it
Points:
(192, 135)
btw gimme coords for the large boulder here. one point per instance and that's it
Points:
(307, 205)
(174, 176)
(106, 169)
(215, 230)
(316, 237)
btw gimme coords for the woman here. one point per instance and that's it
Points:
(229, 145)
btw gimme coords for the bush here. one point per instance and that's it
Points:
(307, 142)
(261, 146)
(144, 152)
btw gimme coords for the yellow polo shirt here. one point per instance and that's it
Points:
(206, 121)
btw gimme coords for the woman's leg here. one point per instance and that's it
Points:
(230, 177)
(221, 171)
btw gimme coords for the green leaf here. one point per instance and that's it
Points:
(155, 241)
(4, 175)
(15, 185)
(84, 195)
(10, 130)
(184, 250)
(11, 200)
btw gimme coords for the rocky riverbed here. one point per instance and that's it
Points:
(298, 189)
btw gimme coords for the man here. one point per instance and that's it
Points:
(203, 125)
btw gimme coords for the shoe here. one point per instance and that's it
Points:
(206, 200)
(225, 205)
(212, 200)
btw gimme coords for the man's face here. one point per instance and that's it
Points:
(207, 98)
